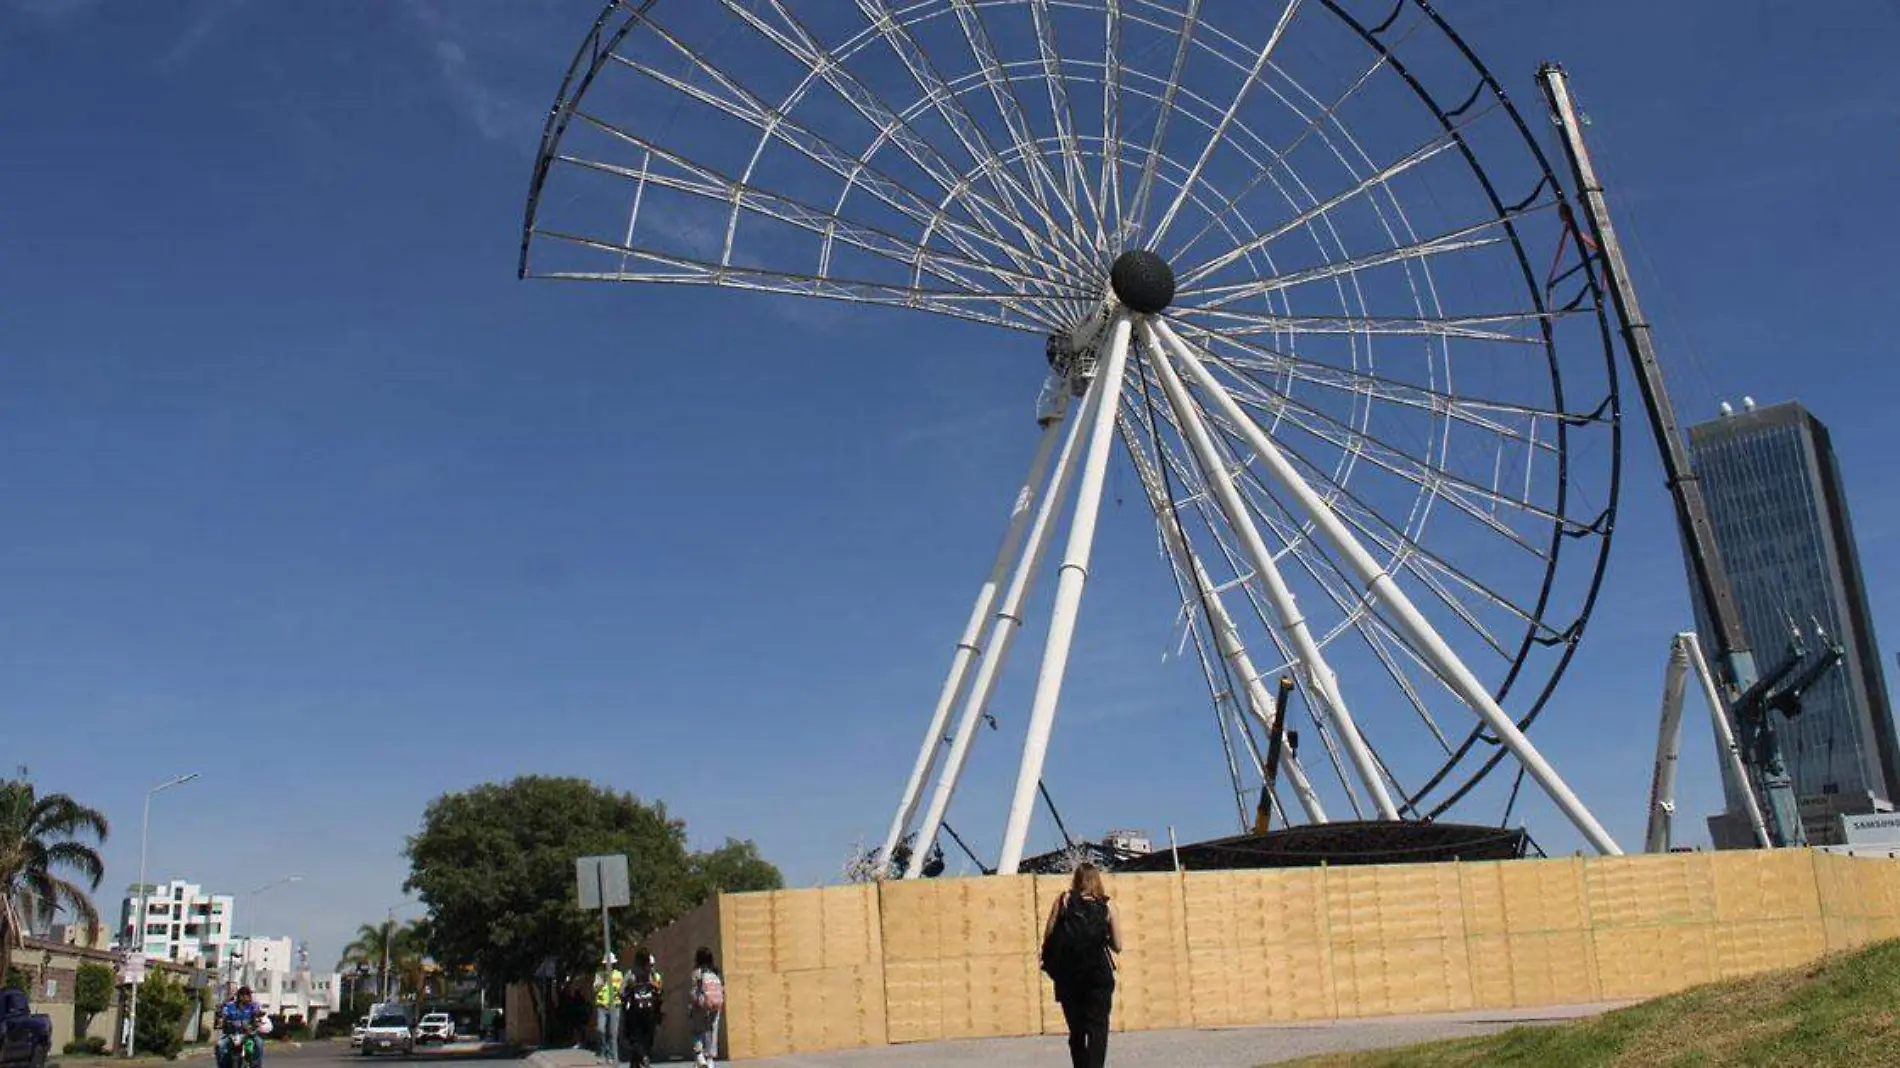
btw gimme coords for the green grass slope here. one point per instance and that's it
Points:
(1843, 1010)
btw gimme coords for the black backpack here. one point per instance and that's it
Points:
(1076, 951)
(641, 995)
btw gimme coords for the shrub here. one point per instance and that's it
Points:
(163, 1003)
(92, 995)
(90, 1046)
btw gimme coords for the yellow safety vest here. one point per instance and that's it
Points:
(607, 991)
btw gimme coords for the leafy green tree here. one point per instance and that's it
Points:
(92, 994)
(42, 840)
(495, 865)
(733, 868)
(163, 1004)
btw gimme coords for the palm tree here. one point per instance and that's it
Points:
(41, 838)
(367, 948)
(400, 944)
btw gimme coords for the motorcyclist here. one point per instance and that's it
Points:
(238, 1019)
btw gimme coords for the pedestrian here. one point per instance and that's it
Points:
(608, 981)
(1079, 943)
(640, 998)
(708, 1001)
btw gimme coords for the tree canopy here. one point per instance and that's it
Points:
(495, 866)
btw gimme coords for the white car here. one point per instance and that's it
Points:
(357, 1030)
(436, 1027)
(388, 1033)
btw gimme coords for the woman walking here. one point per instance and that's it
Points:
(1079, 941)
(708, 1001)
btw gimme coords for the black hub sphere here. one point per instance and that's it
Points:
(1142, 281)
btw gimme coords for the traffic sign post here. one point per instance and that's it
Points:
(602, 882)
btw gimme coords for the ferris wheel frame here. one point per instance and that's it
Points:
(1083, 313)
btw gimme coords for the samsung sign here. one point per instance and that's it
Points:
(1875, 828)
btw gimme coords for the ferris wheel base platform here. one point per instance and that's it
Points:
(1309, 846)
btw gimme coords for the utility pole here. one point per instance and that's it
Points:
(1740, 676)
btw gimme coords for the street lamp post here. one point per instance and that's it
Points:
(250, 923)
(145, 895)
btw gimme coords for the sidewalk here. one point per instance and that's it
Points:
(1227, 1047)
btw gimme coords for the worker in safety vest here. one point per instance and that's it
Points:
(607, 983)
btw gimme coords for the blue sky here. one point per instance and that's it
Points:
(308, 494)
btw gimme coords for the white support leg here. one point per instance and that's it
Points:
(1105, 401)
(1382, 589)
(1662, 784)
(1003, 631)
(1725, 736)
(1320, 680)
(1226, 635)
(969, 647)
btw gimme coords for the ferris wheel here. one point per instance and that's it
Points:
(1302, 265)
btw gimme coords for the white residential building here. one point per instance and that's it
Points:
(252, 958)
(182, 922)
(281, 981)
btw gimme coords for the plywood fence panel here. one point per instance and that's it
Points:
(758, 1014)
(1750, 948)
(999, 937)
(1658, 888)
(1152, 988)
(745, 928)
(911, 916)
(1295, 942)
(1755, 886)
(1644, 961)
(804, 970)
(921, 961)
(1227, 968)
(757, 1021)
(798, 930)
(1552, 968)
(1398, 939)
(1544, 895)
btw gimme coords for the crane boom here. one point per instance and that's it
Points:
(1740, 676)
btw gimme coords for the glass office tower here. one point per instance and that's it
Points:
(1781, 523)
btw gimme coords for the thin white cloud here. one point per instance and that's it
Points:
(495, 113)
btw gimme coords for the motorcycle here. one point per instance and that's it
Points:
(244, 1051)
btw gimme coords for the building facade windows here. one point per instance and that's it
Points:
(1781, 524)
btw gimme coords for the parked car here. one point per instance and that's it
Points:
(357, 1030)
(436, 1027)
(26, 1037)
(388, 1033)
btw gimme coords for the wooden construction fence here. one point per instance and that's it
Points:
(928, 960)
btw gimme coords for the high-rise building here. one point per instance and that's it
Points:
(182, 922)
(1781, 524)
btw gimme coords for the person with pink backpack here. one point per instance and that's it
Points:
(708, 1001)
